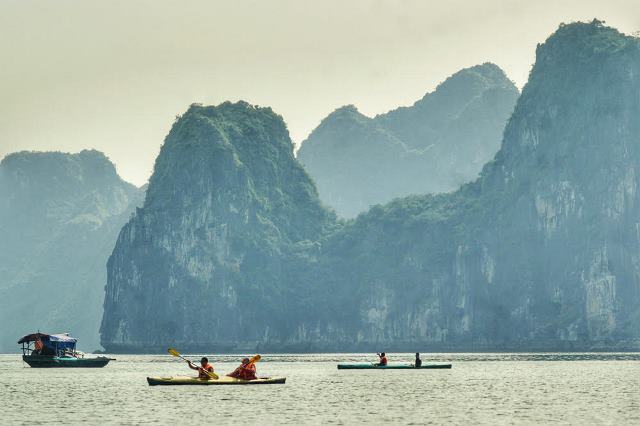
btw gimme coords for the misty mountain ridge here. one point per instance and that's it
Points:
(435, 145)
(539, 253)
(59, 217)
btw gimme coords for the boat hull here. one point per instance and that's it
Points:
(224, 380)
(39, 361)
(370, 366)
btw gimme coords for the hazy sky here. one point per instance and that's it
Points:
(112, 75)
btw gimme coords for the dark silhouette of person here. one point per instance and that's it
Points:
(383, 359)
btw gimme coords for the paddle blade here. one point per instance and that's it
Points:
(173, 352)
(211, 374)
(254, 359)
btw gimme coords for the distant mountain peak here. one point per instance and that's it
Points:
(485, 75)
(594, 37)
(199, 121)
(28, 159)
(346, 109)
(435, 145)
(346, 112)
(582, 71)
(60, 214)
(37, 168)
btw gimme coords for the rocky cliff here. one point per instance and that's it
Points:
(208, 259)
(542, 252)
(232, 250)
(435, 145)
(59, 217)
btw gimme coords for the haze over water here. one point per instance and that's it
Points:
(480, 388)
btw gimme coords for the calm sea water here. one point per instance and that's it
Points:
(480, 388)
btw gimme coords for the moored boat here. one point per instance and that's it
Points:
(224, 380)
(372, 366)
(56, 350)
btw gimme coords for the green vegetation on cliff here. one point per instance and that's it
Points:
(540, 252)
(227, 207)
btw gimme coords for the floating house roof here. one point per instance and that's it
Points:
(63, 337)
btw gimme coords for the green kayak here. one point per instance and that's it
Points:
(372, 366)
(223, 380)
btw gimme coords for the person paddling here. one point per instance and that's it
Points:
(383, 359)
(418, 362)
(246, 370)
(202, 370)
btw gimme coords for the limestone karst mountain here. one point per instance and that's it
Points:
(435, 145)
(60, 215)
(227, 212)
(542, 251)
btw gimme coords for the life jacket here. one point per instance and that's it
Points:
(383, 360)
(245, 372)
(38, 345)
(201, 371)
(250, 372)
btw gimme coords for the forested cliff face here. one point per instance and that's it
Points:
(59, 218)
(543, 250)
(209, 256)
(435, 145)
(232, 250)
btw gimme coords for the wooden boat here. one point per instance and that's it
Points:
(56, 350)
(40, 361)
(223, 380)
(372, 366)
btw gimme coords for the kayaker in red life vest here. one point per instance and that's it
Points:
(383, 359)
(245, 371)
(202, 370)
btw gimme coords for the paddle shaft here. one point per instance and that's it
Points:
(180, 356)
(211, 374)
(207, 372)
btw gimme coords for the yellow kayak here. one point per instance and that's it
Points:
(223, 380)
